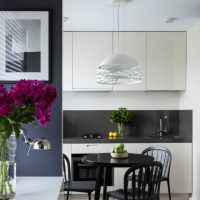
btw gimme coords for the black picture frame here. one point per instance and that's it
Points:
(26, 45)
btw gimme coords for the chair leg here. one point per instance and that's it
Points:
(67, 195)
(107, 196)
(169, 192)
(89, 195)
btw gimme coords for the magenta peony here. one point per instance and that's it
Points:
(27, 101)
(19, 92)
(43, 113)
(6, 102)
(35, 93)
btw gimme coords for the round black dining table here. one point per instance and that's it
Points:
(104, 160)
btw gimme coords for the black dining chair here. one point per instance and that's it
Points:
(75, 186)
(145, 183)
(163, 155)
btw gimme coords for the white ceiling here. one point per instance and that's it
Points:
(138, 15)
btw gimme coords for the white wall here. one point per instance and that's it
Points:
(191, 100)
(114, 100)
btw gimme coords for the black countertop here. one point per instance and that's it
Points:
(141, 139)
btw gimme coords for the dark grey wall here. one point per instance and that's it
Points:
(44, 163)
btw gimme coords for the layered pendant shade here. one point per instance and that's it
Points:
(118, 67)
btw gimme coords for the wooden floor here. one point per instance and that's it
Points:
(163, 197)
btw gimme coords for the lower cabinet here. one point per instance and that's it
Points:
(181, 167)
(92, 148)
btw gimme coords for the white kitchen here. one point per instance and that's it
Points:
(163, 39)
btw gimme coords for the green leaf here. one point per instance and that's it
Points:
(120, 116)
(7, 128)
(16, 129)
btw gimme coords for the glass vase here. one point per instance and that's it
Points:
(7, 166)
(120, 127)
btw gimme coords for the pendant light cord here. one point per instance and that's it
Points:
(118, 24)
(113, 19)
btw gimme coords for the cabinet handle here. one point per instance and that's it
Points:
(92, 145)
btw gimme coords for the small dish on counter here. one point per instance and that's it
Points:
(119, 155)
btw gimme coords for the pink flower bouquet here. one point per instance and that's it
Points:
(26, 102)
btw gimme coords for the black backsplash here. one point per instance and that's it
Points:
(144, 122)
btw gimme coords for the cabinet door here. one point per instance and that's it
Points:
(134, 45)
(91, 148)
(89, 49)
(67, 61)
(181, 167)
(166, 60)
(119, 172)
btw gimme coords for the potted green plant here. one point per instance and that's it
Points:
(121, 116)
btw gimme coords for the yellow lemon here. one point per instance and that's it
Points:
(110, 134)
(114, 134)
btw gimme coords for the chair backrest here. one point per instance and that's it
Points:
(162, 155)
(146, 180)
(67, 176)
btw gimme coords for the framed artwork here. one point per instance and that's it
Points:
(24, 45)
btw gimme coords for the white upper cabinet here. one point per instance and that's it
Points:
(134, 45)
(166, 60)
(161, 55)
(67, 61)
(89, 49)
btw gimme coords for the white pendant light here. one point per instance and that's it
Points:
(118, 67)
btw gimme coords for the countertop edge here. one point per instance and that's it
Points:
(127, 140)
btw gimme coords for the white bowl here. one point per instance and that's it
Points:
(119, 155)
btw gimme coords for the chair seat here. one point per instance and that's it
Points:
(80, 186)
(119, 194)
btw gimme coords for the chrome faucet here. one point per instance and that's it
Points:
(162, 126)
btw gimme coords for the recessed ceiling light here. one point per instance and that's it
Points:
(171, 19)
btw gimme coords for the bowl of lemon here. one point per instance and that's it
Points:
(119, 151)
